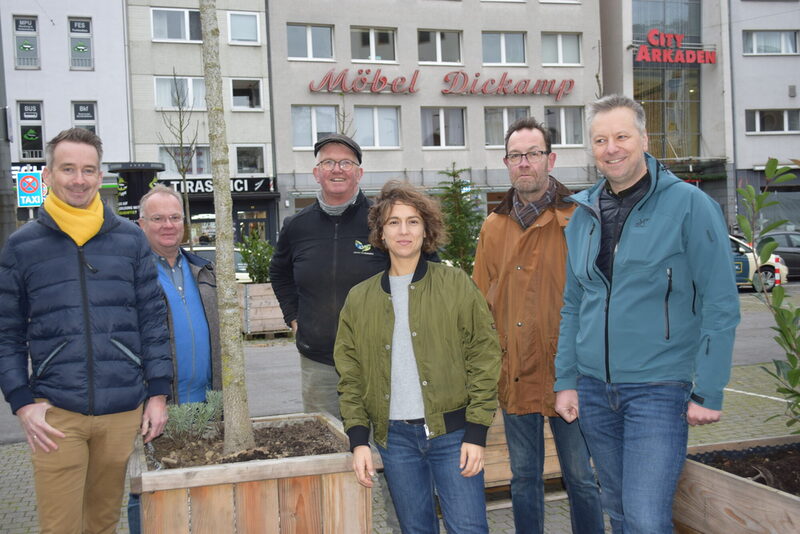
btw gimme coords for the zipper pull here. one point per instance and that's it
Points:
(90, 267)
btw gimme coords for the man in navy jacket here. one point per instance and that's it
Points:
(80, 302)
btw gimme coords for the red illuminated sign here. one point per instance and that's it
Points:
(667, 48)
(457, 82)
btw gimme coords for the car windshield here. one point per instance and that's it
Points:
(211, 255)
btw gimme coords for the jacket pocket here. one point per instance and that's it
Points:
(40, 369)
(666, 303)
(127, 352)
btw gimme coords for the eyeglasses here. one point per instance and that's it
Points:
(329, 164)
(534, 156)
(160, 219)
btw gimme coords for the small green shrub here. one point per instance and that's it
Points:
(195, 420)
(257, 253)
(462, 218)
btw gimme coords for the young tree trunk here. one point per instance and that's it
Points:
(238, 429)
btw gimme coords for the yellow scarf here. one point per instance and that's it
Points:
(80, 224)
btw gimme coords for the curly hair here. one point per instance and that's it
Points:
(396, 192)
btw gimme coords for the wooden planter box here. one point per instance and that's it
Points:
(261, 313)
(302, 495)
(711, 501)
(497, 466)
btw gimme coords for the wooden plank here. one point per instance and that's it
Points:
(716, 502)
(165, 512)
(346, 505)
(212, 509)
(300, 501)
(257, 509)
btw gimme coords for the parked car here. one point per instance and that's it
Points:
(788, 249)
(210, 253)
(744, 262)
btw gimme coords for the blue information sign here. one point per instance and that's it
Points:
(29, 189)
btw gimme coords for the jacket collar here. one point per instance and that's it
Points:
(419, 273)
(559, 202)
(361, 199)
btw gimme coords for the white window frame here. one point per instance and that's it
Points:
(376, 129)
(785, 131)
(22, 122)
(186, 26)
(503, 60)
(260, 107)
(562, 121)
(32, 35)
(443, 130)
(235, 158)
(86, 36)
(310, 44)
(755, 43)
(372, 51)
(80, 123)
(189, 95)
(560, 48)
(506, 121)
(314, 132)
(439, 48)
(193, 173)
(236, 42)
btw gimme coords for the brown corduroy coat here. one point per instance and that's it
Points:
(522, 273)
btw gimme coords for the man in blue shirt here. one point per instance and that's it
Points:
(190, 289)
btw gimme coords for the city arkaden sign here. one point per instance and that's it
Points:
(668, 48)
(457, 82)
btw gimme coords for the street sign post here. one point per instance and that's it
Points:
(30, 191)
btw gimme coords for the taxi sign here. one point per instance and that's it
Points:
(30, 190)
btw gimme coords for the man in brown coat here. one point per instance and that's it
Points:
(520, 268)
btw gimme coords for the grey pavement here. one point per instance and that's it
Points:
(273, 383)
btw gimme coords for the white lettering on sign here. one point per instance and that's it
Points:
(194, 185)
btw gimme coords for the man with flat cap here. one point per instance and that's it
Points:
(322, 252)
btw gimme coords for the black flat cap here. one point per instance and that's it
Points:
(342, 140)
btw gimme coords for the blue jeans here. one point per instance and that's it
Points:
(414, 465)
(637, 436)
(134, 521)
(525, 438)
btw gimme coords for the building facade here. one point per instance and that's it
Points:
(65, 65)
(765, 50)
(425, 84)
(169, 108)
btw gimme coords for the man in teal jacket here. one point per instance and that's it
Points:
(649, 317)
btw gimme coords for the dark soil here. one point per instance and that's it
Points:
(776, 467)
(305, 438)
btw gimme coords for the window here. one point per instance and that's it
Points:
(772, 120)
(84, 115)
(565, 125)
(176, 25)
(770, 42)
(246, 95)
(443, 127)
(250, 160)
(312, 123)
(503, 48)
(243, 28)
(26, 42)
(497, 120)
(80, 44)
(188, 93)
(439, 46)
(377, 126)
(30, 131)
(309, 42)
(561, 49)
(372, 44)
(196, 164)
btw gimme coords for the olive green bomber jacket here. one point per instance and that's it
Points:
(455, 345)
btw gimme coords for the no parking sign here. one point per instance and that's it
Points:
(29, 189)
